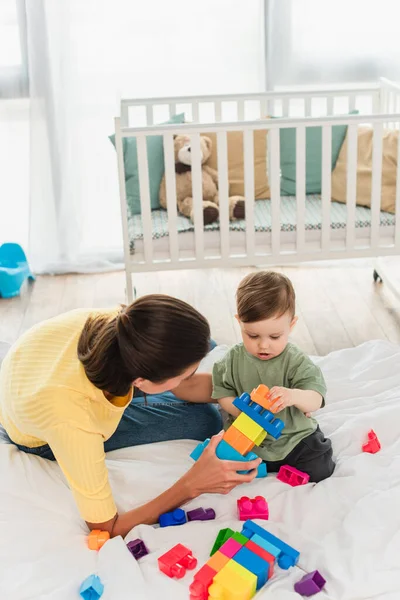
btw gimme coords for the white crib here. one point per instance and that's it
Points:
(196, 246)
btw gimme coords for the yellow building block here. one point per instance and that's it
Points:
(242, 572)
(249, 428)
(229, 585)
(217, 561)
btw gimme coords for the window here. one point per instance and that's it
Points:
(13, 53)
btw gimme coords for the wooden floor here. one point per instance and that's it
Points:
(338, 303)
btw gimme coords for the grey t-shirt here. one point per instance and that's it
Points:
(240, 372)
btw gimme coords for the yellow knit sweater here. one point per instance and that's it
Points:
(46, 398)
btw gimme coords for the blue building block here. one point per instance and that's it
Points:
(14, 269)
(288, 556)
(253, 563)
(225, 452)
(265, 418)
(257, 539)
(176, 517)
(91, 588)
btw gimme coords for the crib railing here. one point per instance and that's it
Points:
(275, 250)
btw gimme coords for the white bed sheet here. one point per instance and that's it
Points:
(348, 527)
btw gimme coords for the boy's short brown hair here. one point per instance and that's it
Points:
(263, 295)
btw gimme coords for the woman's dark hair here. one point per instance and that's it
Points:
(156, 337)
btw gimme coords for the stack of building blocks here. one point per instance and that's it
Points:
(252, 508)
(137, 548)
(248, 430)
(292, 476)
(176, 517)
(241, 565)
(310, 584)
(92, 588)
(372, 445)
(97, 539)
(175, 562)
(201, 514)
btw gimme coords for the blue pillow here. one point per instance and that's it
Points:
(155, 157)
(313, 157)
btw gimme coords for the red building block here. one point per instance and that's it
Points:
(263, 554)
(373, 445)
(97, 538)
(252, 508)
(292, 476)
(175, 562)
(202, 580)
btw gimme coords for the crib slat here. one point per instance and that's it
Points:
(218, 111)
(285, 107)
(352, 102)
(248, 151)
(240, 110)
(197, 193)
(264, 109)
(300, 185)
(223, 192)
(397, 206)
(145, 202)
(124, 115)
(275, 191)
(149, 115)
(330, 106)
(308, 107)
(195, 112)
(376, 183)
(326, 185)
(169, 158)
(172, 109)
(351, 185)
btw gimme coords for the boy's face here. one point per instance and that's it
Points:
(267, 339)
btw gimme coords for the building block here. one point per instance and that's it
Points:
(229, 585)
(200, 514)
(91, 588)
(223, 535)
(261, 395)
(238, 440)
(265, 545)
(265, 418)
(253, 563)
(97, 538)
(310, 584)
(202, 580)
(175, 562)
(176, 517)
(288, 556)
(239, 537)
(225, 452)
(372, 445)
(244, 573)
(252, 508)
(264, 554)
(230, 547)
(292, 476)
(249, 427)
(137, 548)
(218, 560)
(14, 269)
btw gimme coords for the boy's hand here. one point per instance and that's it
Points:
(282, 398)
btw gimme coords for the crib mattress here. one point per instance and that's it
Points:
(262, 218)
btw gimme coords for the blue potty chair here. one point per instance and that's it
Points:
(14, 269)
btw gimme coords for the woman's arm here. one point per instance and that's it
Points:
(208, 475)
(196, 388)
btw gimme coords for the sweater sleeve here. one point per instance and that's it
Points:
(81, 457)
(223, 384)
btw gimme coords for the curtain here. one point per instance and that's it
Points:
(311, 42)
(83, 57)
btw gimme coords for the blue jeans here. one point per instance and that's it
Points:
(164, 417)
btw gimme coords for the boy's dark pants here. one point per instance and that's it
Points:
(313, 455)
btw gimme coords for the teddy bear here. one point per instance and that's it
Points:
(183, 174)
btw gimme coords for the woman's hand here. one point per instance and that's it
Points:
(210, 475)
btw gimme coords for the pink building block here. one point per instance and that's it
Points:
(230, 548)
(252, 508)
(372, 445)
(292, 476)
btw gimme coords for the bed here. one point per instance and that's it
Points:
(347, 527)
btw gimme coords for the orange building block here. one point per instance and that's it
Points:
(97, 539)
(238, 440)
(260, 395)
(217, 561)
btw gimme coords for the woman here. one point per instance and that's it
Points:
(66, 391)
